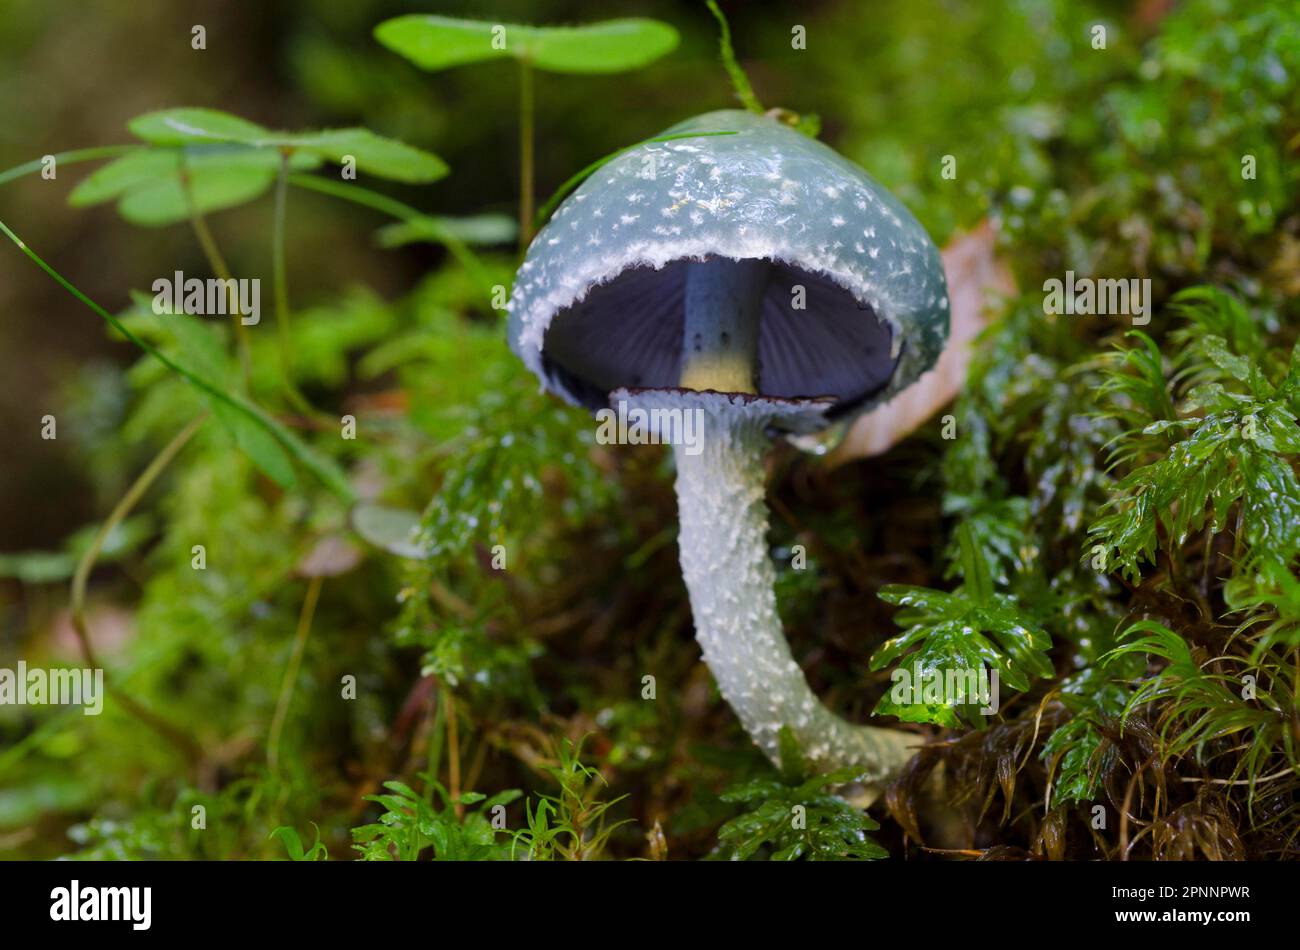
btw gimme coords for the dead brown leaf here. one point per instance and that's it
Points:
(975, 273)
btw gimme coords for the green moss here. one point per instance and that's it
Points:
(1115, 527)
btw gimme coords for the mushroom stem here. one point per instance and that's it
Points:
(724, 300)
(723, 537)
(731, 582)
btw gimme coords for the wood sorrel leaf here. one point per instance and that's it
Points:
(373, 154)
(610, 46)
(164, 201)
(186, 125)
(122, 175)
(150, 190)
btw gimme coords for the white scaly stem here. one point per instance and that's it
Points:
(723, 537)
(731, 581)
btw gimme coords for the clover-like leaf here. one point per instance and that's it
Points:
(204, 160)
(214, 188)
(150, 188)
(374, 154)
(610, 46)
(186, 126)
(122, 175)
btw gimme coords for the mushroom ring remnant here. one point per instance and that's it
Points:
(768, 284)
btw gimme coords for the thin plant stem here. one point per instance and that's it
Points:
(437, 714)
(290, 681)
(280, 280)
(739, 81)
(222, 270)
(1289, 770)
(80, 577)
(453, 750)
(476, 765)
(526, 108)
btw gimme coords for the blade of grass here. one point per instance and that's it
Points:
(219, 267)
(326, 470)
(68, 158)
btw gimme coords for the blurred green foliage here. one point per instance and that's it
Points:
(450, 673)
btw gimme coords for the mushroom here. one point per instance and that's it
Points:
(768, 285)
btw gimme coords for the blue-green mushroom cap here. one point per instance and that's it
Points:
(855, 307)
